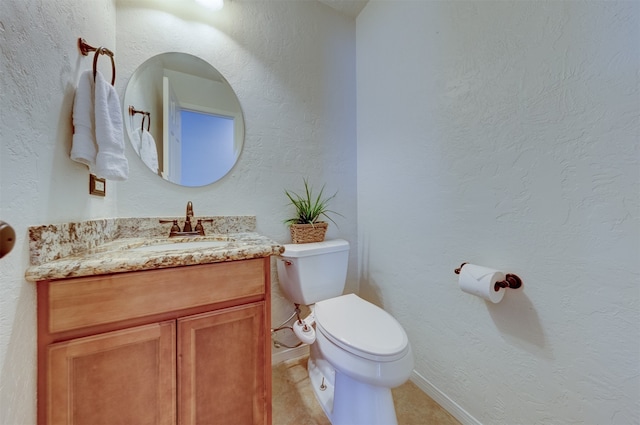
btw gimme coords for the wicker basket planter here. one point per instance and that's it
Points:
(307, 233)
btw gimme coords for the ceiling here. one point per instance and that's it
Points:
(350, 8)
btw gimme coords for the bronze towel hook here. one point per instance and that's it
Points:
(148, 117)
(133, 111)
(103, 51)
(85, 48)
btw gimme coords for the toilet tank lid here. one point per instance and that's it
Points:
(314, 248)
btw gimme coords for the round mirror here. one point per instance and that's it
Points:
(183, 119)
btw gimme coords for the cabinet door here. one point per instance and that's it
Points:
(121, 377)
(222, 367)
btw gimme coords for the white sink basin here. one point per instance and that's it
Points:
(179, 246)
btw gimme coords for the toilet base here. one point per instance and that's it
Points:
(346, 401)
(357, 403)
(322, 377)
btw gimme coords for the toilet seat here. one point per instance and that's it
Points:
(361, 328)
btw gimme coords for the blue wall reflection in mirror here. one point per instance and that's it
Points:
(203, 161)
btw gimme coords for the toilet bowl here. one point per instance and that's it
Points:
(363, 341)
(359, 351)
(369, 353)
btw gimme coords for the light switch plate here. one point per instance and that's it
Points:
(97, 186)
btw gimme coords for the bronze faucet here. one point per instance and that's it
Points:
(189, 209)
(187, 230)
(187, 221)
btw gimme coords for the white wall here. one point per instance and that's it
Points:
(40, 65)
(293, 66)
(506, 134)
(509, 129)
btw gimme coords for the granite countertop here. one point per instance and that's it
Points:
(98, 247)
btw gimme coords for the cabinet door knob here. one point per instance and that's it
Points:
(7, 238)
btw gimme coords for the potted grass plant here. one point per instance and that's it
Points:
(306, 226)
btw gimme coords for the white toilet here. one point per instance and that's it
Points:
(358, 351)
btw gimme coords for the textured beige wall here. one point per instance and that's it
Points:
(293, 68)
(506, 134)
(39, 66)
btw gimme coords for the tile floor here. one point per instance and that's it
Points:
(294, 402)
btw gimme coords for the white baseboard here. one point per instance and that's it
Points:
(439, 397)
(289, 353)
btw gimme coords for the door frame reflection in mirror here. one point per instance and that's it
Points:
(198, 87)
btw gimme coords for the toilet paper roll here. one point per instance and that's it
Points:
(480, 281)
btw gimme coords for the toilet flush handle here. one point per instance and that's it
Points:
(286, 262)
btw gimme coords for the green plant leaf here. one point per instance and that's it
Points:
(310, 208)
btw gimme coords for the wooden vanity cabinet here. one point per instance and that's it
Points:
(120, 377)
(185, 345)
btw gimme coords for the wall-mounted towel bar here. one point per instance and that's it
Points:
(85, 48)
(147, 115)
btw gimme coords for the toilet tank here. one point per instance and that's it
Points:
(312, 272)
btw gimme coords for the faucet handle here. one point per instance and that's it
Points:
(175, 228)
(200, 228)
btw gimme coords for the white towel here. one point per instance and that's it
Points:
(149, 151)
(145, 146)
(111, 163)
(136, 140)
(83, 148)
